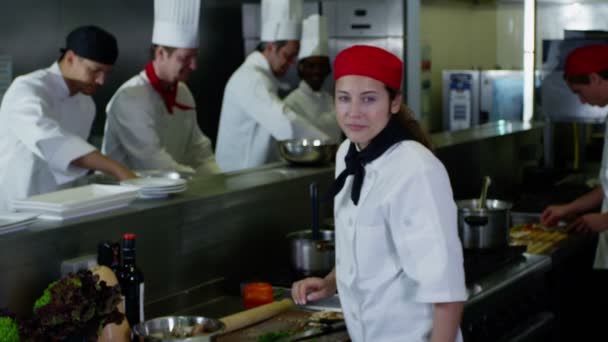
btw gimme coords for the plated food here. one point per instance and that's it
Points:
(537, 237)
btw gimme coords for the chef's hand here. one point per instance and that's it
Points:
(313, 289)
(123, 173)
(591, 223)
(554, 213)
(97, 161)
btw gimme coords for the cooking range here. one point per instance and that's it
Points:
(507, 296)
(508, 300)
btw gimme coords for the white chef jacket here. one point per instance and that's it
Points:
(601, 252)
(44, 129)
(142, 134)
(253, 118)
(398, 250)
(316, 107)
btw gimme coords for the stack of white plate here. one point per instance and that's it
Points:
(10, 222)
(76, 202)
(156, 187)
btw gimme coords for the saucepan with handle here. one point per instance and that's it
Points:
(312, 251)
(483, 223)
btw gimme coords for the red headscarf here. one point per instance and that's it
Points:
(370, 61)
(586, 60)
(169, 95)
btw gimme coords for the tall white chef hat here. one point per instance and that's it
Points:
(281, 20)
(314, 40)
(176, 23)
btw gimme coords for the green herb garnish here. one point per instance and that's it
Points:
(274, 336)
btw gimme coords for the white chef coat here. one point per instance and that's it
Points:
(601, 252)
(253, 118)
(398, 250)
(316, 107)
(142, 134)
(44, 129)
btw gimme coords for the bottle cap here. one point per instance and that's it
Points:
(129, 236)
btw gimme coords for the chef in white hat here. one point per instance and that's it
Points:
(47, 116)
(253, 117)
(151, 119)
(309, 100)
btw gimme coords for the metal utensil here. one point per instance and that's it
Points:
(323, 329)
(160, 329)
(308, 151)
(310, 257)
(314, 203)
(484, 192)
(484, 228)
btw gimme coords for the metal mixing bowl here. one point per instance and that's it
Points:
(159, 329)
(308, 151)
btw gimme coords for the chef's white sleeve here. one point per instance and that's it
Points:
(135, 126)
(423, 223)
(31, 120)
(200, 152)
(270, 112)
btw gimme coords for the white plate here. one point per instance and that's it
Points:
(172, 190)
(7, 219)
(10, 222)
(153, 196)
(154, 182)
(36, 207)
(78, 197)
(70, 214)
(158, 194)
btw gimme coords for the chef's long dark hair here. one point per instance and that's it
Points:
(408, 120)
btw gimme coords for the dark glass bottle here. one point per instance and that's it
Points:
(108, 254)
(131, 281)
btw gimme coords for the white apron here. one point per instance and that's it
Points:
(398, 251)
(44, 129)
(253, 118)
(142, 134)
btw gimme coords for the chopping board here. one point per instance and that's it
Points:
(293, 320)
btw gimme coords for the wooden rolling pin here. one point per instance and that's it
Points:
(252, 316)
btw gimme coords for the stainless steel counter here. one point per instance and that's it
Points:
(481, 132)
(224, 227)
(530, 265)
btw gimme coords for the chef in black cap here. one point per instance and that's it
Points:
(47, 116)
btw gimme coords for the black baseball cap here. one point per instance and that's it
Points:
(93, 43)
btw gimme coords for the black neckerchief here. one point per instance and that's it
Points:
(393, 133)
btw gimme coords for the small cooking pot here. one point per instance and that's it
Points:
(312, 257)
(483, 228)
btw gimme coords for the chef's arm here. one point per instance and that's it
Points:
(97, 161)
(278, 119)
(200, 152)
(134, 123)
(588, 201)
(446, 321)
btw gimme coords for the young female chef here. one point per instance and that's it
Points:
(399, 267)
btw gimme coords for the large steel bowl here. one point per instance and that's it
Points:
(160, 329)
(308, 151)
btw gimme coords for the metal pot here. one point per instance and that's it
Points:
(483, 228)
(310, 257)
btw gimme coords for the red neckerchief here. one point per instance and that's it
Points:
(169, 95)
